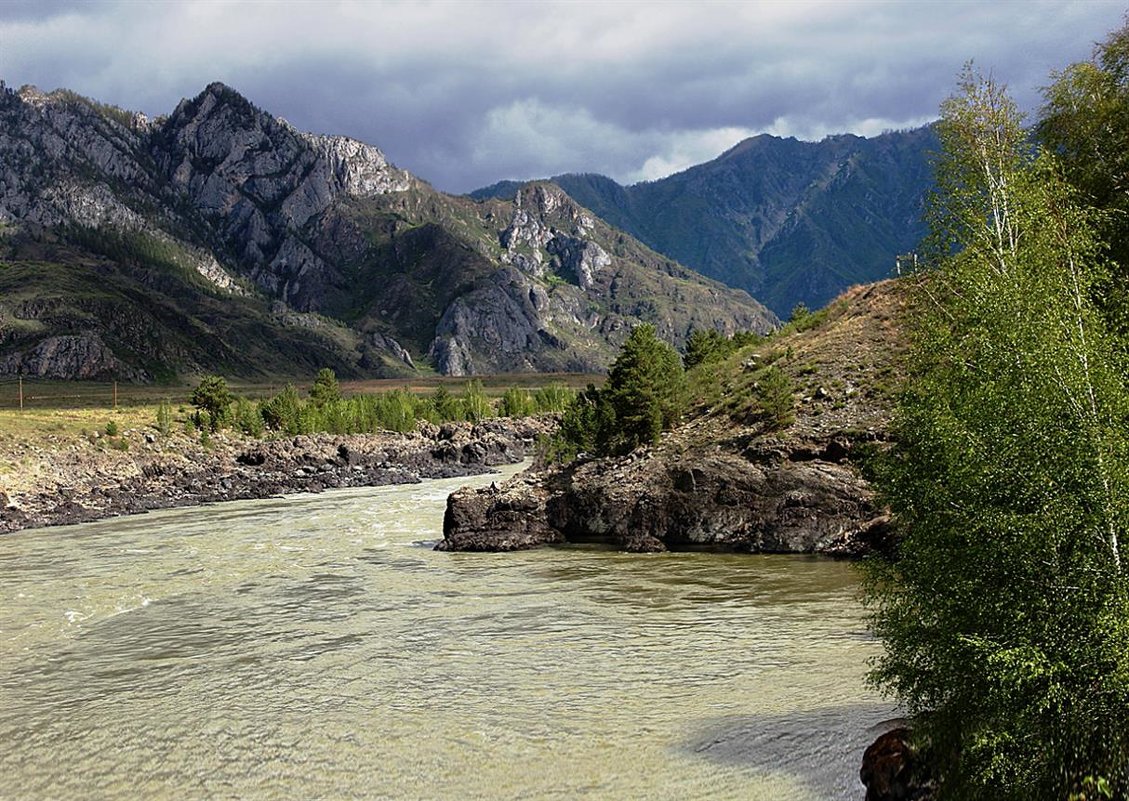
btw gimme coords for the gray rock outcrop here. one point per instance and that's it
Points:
(82, 356)
(770, 498)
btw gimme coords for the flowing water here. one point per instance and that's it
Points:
(313, 647)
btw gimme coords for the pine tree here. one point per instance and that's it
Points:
(646, 389)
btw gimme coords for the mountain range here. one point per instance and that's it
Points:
(788, 221)
(221, 239)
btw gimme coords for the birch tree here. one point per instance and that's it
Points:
(1005, 611)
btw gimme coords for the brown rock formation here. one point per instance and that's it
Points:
(894, 770)
(721, 483)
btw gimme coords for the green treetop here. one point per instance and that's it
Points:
(1005, 611)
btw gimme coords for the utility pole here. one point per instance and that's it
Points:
(21, 393)
(115, 396)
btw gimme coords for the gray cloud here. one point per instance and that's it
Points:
(464, 94)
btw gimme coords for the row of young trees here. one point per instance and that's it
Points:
(645, 394)
(1005, 611)
(326, 410)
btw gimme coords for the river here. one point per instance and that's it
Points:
(315, 647)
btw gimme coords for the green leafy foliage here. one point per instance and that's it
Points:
(774, 401)
(446, 406)
(646, 391)
(164, 418)
(1085, 122)
(552, 398)
(281, 412)
(248, 418)
(645, 394)
(705, 346)
(517, 403)
(476, 406)
(1005, 611)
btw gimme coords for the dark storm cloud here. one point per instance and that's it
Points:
(464, 94)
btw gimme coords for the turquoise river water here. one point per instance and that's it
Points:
(315, 647)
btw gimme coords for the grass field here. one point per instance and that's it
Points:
(70, 408)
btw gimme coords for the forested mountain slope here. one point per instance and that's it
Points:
(788, 221)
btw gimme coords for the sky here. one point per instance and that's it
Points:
(467, 93)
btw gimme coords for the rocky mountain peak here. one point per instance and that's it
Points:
(350, 255)
(32, 96)
(260, 181)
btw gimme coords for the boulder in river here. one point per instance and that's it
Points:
(893, 769)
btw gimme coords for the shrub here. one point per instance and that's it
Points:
(517, 403)
(248, 418)
(553, 398)
(476, 406)
(774, 397)
(280, 413)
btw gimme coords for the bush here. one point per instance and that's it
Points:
(476, 406)
(774, 399)
(248, 418)
(707, 346)
(518, 403)
(553, 398)
(280, 413)
(111, 429)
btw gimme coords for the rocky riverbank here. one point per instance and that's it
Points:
(72, 480)
(757, 494)
(722, 483)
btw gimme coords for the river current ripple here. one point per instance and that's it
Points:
(315, 647)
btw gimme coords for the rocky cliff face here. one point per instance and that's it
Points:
(569, 292)
(221, 201)
(258, 181)
(718, 483)
(785, 220)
